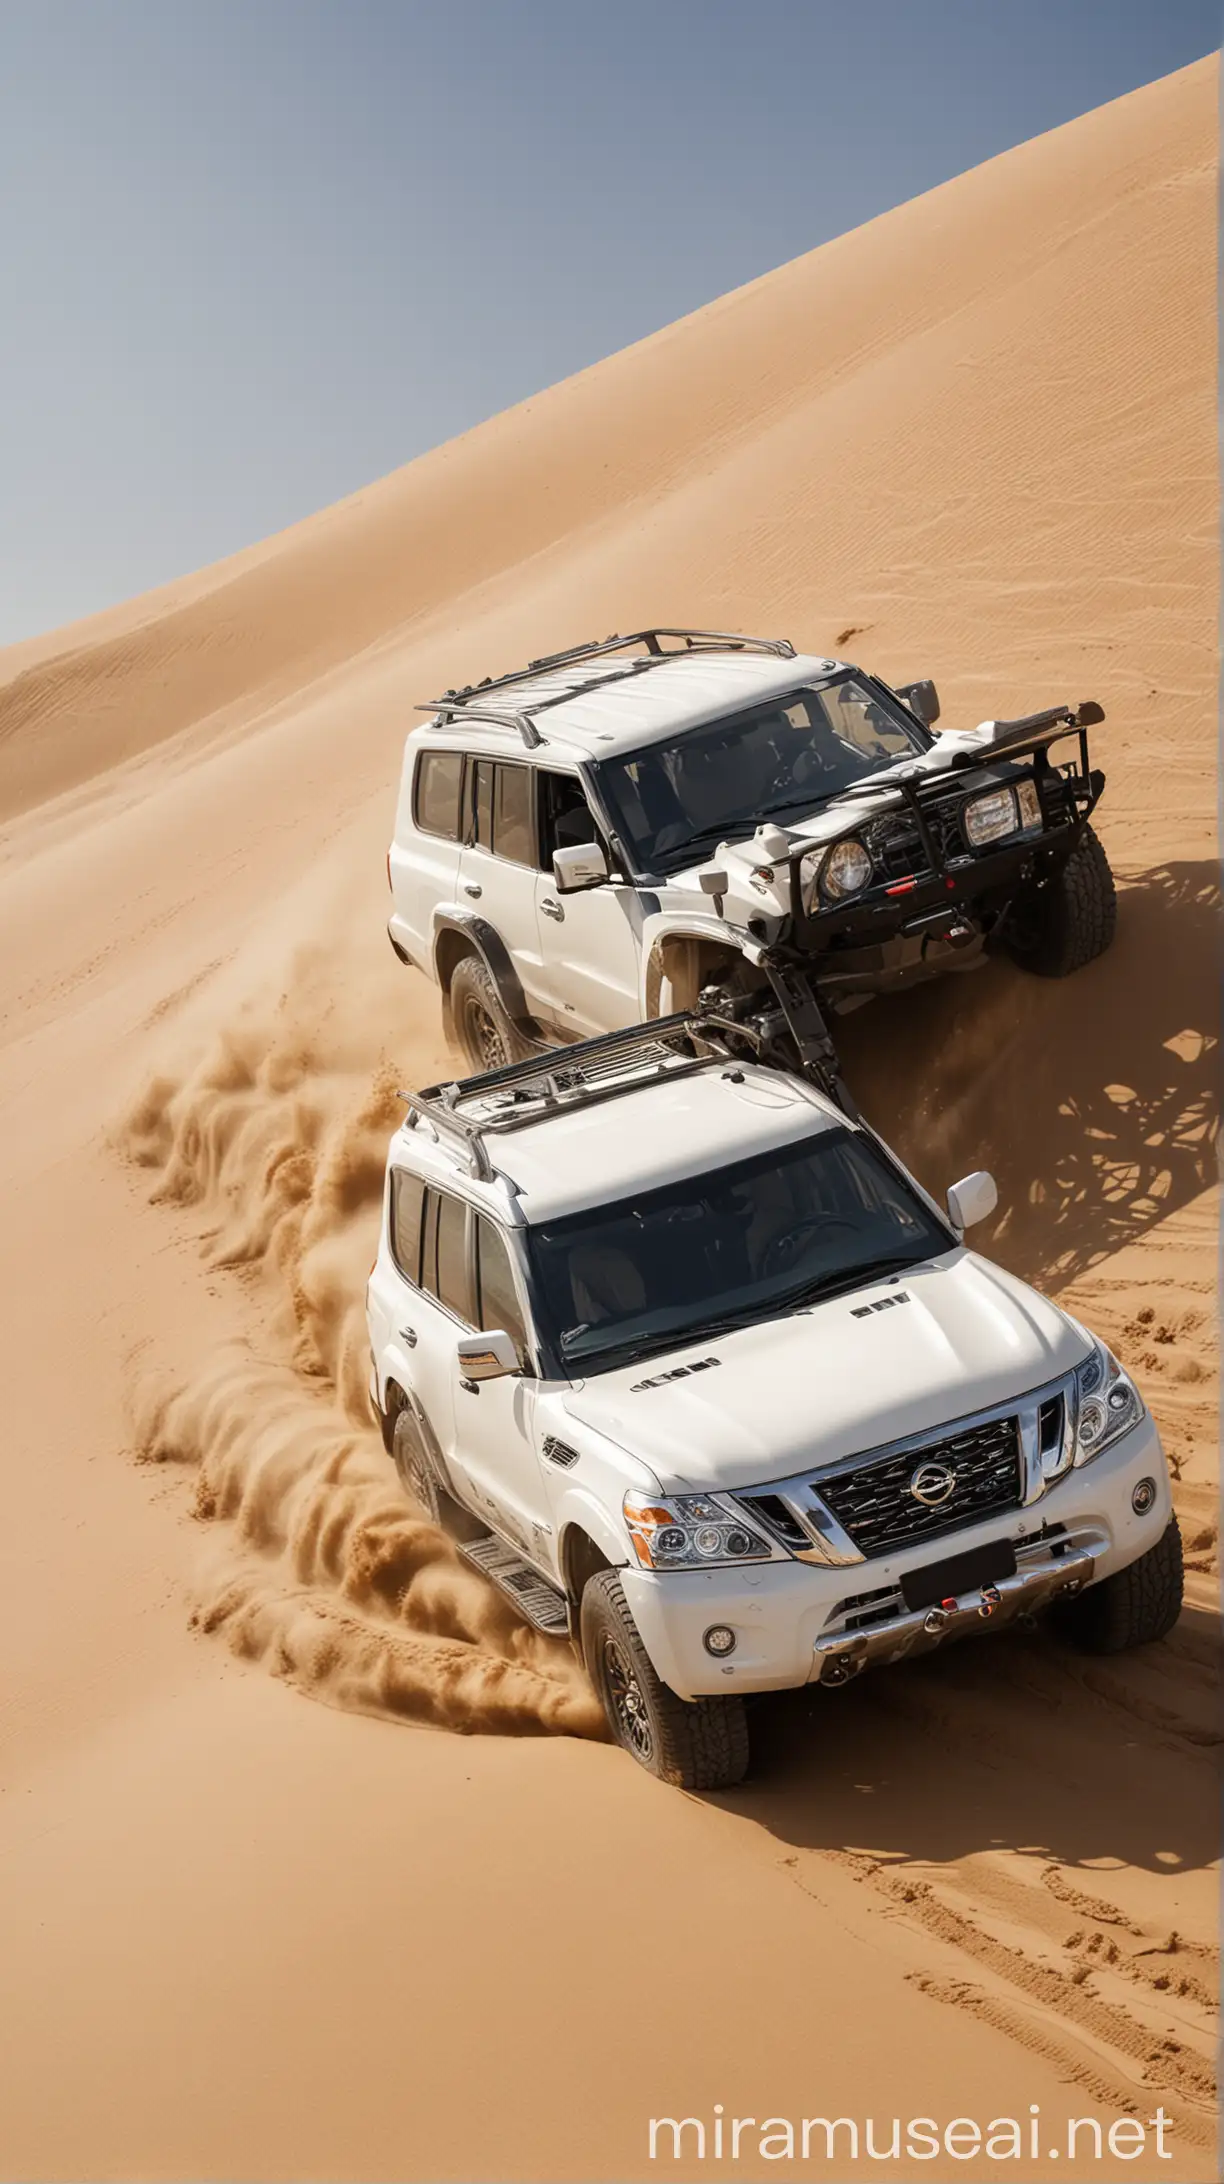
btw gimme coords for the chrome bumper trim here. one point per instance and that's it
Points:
(843, 1656)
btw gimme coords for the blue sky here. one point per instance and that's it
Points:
(255, 253)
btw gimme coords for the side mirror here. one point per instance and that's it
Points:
(487, 1357)
(582, 865)
(922, 699)
(971, 1200)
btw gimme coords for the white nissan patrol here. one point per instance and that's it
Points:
(693, 1369)
(622, 830)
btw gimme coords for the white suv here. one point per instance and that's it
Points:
(691, 1367)
(628, 828)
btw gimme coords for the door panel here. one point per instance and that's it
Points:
(495, 1419)
(497, 872)
(592, 952)
(589, 940)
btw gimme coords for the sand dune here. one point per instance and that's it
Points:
(975, 439)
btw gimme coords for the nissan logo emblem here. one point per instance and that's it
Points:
(932, 1484)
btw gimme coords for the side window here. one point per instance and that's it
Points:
(454, 1288)
(497, 1300)
(435, 798)
(481, 829)
(566, 818)
(407, 1205)
(512, 814)
(501, 813)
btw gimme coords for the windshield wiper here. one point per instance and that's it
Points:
(849, 1277)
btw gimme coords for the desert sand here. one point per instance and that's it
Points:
(314, 1863)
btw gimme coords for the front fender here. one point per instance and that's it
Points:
(582, 1512)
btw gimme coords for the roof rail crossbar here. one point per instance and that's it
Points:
(450, 713)
(435, 1108)
(544, 1083)
(470, 700)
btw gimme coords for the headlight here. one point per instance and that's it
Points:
(1029, 804)
(988, 818)
(844, 870)
(1109, 1404)
(691, 1532)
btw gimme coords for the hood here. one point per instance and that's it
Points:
(955, 1336)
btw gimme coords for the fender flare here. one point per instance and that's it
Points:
(486, 942)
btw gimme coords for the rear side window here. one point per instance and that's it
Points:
(502, 810)
(454, 1288)
(497, 1300)
(407, 1206)
(435, 803)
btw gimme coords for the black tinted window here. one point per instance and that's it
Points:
(454, 1288)
(439, 776)
(498, 1302)
(407, 1205)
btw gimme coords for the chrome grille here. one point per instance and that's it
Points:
(874, 1504)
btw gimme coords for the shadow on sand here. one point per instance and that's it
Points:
(1007, 1742)
(1093, 1100)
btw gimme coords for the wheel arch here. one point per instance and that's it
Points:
(458, 934)
(690, 954)
(582, 1555)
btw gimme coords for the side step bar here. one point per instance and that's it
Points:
(531, 1594)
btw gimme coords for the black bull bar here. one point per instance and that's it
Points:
(942, 878)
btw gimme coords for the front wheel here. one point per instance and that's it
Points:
(1057, 925)
(700, 1744)
(1134, 1607)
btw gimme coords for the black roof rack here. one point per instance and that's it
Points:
(469, 703)
(577, 1076)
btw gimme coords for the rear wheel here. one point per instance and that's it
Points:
(482, 1027)
(1059, 924)
(701, 1744)
(1134, 1607)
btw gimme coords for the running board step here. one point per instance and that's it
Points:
(530, 1593)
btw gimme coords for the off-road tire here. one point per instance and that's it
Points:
(699, 1744)
(419, 1479)
(1134, 1607)
(484, 1033)
(1057, 927)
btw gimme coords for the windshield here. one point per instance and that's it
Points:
(673, 801)
(744, 1242)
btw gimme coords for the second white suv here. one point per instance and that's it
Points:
(696, 1372)
(619, 831)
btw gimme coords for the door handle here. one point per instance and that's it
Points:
(409, 1335)
(551, 909)
(473, 888)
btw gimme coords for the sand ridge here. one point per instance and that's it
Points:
(975, 439)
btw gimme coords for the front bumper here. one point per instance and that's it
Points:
(797, 1622)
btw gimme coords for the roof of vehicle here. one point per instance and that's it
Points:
(673, 1124)
(616, 705)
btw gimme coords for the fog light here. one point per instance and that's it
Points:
(719, 1640)
(1143, 1497)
